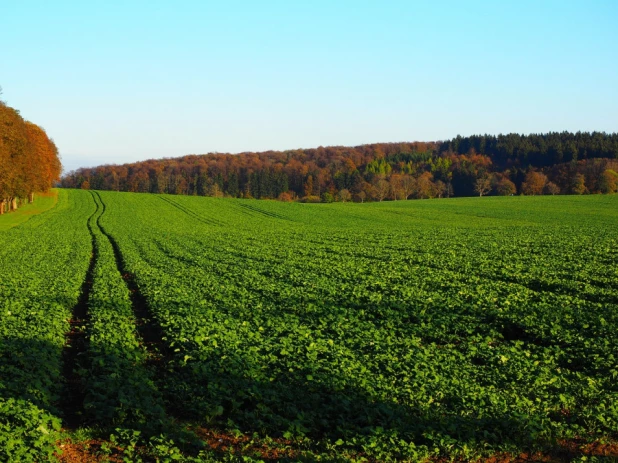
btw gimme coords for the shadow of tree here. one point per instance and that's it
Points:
(224, 395)
(117, 393)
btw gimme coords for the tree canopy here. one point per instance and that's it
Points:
(500, 164)
(29, 159)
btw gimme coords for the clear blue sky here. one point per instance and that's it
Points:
(119, 81)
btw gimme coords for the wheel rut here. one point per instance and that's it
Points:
(76, 344)
(190, 213)
(147, 328)
(75, 355)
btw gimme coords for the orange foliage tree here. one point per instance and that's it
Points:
(534, 183)
(379, 171)
(29, 160)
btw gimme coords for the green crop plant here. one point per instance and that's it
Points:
(44, 261)
(395, 331)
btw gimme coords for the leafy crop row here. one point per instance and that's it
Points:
(385, 331)
(393, 331)
(119, 390)
(43, 266)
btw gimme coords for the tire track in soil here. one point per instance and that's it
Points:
(190, 213)
(150, 332)
(158, 352)
(259, 210)
(76, 344)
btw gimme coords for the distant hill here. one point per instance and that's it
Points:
(552, 163)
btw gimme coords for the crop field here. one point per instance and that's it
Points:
(177, 328)
(44, 201)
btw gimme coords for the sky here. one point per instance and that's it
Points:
(122, 81)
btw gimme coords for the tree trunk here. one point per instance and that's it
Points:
(2, 206)
(14, 204)
(31, 198)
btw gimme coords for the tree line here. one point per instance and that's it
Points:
(29, 161)
(553, 163)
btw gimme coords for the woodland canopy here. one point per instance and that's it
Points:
(29, 161)
(552, 163)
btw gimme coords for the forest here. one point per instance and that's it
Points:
(29, 161)
(552, 163)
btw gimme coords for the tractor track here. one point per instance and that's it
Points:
(190, 213)
(146, 325)
(76, 343)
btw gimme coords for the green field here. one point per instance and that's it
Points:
(42, 203)
(241, 329)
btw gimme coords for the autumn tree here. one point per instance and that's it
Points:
(608, 183)
(381, 189)
(215, 190)
(551, 189)
(482, 185)
(29, 160)
(449, 190)
(360, 196)
(286, 197)
(43, 166)
(398, 186)
(425, 186)
(411, 169)
(578, 184)
(344, 195)
(309, 186)
(534, 183)
(13, 152)
(407, 185)
(441, 188)
(504, 187)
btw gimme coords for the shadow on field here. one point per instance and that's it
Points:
(223, 394)
(34, 409)
(226, 394)
(31, 371)
(114, 391)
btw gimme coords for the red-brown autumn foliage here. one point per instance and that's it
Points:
(29, 160)
(382, 171)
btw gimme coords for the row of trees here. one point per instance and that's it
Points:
(568, 179)
(29, 160)
(369, 172)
